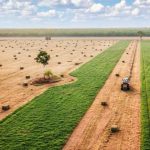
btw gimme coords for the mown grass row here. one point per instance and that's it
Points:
(47, 121)
(74, 32)
(145, 104)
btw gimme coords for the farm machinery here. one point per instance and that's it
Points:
(125, 86)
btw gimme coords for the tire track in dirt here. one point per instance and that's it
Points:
(129, 123)
(93, 132)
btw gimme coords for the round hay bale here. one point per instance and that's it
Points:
(76, 64)
(5, 107)
(25, 84)
(117, 75)
(21, 68)
(62, 75)
(114, 128)
(28, 77)
(104, 103)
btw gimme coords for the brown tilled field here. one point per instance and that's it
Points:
(17, 62)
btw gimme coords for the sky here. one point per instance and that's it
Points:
(74, 13)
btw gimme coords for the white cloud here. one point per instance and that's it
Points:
(50, 13)
(142, 2)
(81, 3)
(120, 5)
(135, 12)
(96, 8)
(24, 8)
(76, 3)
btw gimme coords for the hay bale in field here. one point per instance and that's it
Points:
(114, 128)
(62, 75)
(59, 63)
(28, 77)
(1, 65)
(21, 68)
(76, 64)
(5, 107)
(104, 103)
(123, 61)
(25, 84)
(117, 75)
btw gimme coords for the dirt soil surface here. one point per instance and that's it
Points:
(64, 54)
(93, 132)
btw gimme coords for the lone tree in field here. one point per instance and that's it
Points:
(43, 58)
(140, 34)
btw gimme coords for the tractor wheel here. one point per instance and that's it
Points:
(128, 87)
(121, 87)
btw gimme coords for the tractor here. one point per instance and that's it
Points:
(125, 84)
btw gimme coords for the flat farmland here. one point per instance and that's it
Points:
(69, 114)
(48, 120)
(21, 53)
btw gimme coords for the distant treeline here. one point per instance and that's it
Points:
(73, 32)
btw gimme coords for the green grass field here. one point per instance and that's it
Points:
(46, 122)
(145, 106)
(74, 32)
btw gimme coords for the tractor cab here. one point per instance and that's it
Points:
(125, 84)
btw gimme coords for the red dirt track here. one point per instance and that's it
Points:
(123, 110)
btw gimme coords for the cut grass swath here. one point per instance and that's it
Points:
(145, 104)
(47, 121)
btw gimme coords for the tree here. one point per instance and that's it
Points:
(140, 34)
(43, 58)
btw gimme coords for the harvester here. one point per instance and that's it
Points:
(125, 86)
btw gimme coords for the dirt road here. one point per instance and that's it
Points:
(123, 110)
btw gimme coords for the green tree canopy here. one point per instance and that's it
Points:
(42, 58)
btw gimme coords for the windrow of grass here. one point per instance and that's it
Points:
(46, 122)
(145, 104)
